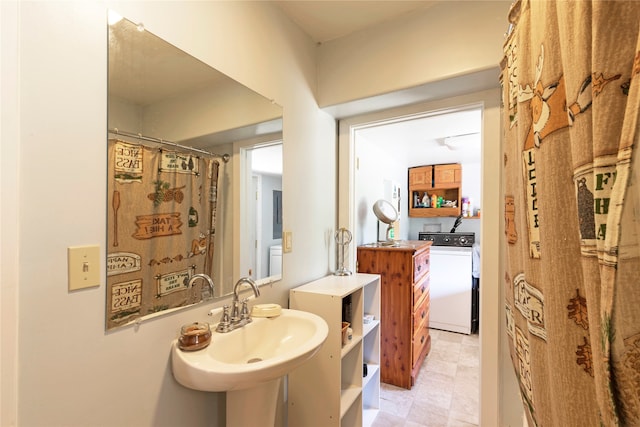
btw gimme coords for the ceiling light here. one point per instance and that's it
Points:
(456, 142)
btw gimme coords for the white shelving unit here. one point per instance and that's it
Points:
(330, 389)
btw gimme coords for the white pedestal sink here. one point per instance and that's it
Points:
(249, 363)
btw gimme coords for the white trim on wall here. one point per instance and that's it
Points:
(9, 211)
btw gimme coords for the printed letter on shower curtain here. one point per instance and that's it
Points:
(162, 209)
(571, 100)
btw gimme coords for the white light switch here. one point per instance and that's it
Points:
(288, 242)
(84, 266)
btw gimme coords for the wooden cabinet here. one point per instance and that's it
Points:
(442, 180)
(444, 175)
(332, 389)
(422, 176)
(405, 339)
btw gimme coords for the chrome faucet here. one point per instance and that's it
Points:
(240, 315)
(250, 282)
(206, 278)
(244, 315)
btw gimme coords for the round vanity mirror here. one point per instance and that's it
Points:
(387, 213)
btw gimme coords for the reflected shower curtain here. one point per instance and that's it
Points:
(571, 97)
(162, 222)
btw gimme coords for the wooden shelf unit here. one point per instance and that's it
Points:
(441, 180)
(330, 389)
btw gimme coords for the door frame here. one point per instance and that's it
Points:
(494, 361)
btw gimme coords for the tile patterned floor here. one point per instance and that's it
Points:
(446, 390)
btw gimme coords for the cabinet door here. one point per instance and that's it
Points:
(447, 174)
(420, 176)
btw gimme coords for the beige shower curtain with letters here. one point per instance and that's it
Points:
(571, 100)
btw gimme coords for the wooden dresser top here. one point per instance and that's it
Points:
(403, 245)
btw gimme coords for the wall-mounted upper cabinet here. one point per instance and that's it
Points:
(442, 181)
(445, 175)
(421, 177)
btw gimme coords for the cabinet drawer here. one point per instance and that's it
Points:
(420, 265)
(421, 288)
(421, 315)
(420, 340)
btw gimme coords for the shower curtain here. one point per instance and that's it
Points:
(571, 99)
(162, 222)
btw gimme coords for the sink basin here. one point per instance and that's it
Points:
(261, 351)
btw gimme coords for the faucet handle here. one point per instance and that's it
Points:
(225, 314)
(235, 310)
(245, 309)
(224, 325)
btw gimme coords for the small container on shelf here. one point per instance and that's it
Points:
(416, 200)
(466, 207)
(194, 336)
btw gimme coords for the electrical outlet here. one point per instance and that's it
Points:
(287, 241)
(84, 266)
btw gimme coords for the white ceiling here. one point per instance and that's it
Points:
(450, 137)
(327, 20)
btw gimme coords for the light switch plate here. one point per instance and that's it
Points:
(287, 245)
(84, 266)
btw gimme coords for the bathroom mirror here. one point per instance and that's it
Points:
(161, 98)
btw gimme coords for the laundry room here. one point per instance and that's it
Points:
(418, 198)
(428, 167)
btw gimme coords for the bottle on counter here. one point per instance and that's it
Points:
(434, 201)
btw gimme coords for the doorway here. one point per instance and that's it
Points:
(492, 349)
(384, 153)
(261, 215)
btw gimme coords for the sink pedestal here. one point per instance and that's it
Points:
(255, 406)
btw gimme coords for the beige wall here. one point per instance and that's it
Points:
(69, 371)
(450, 38)
(58, 365)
